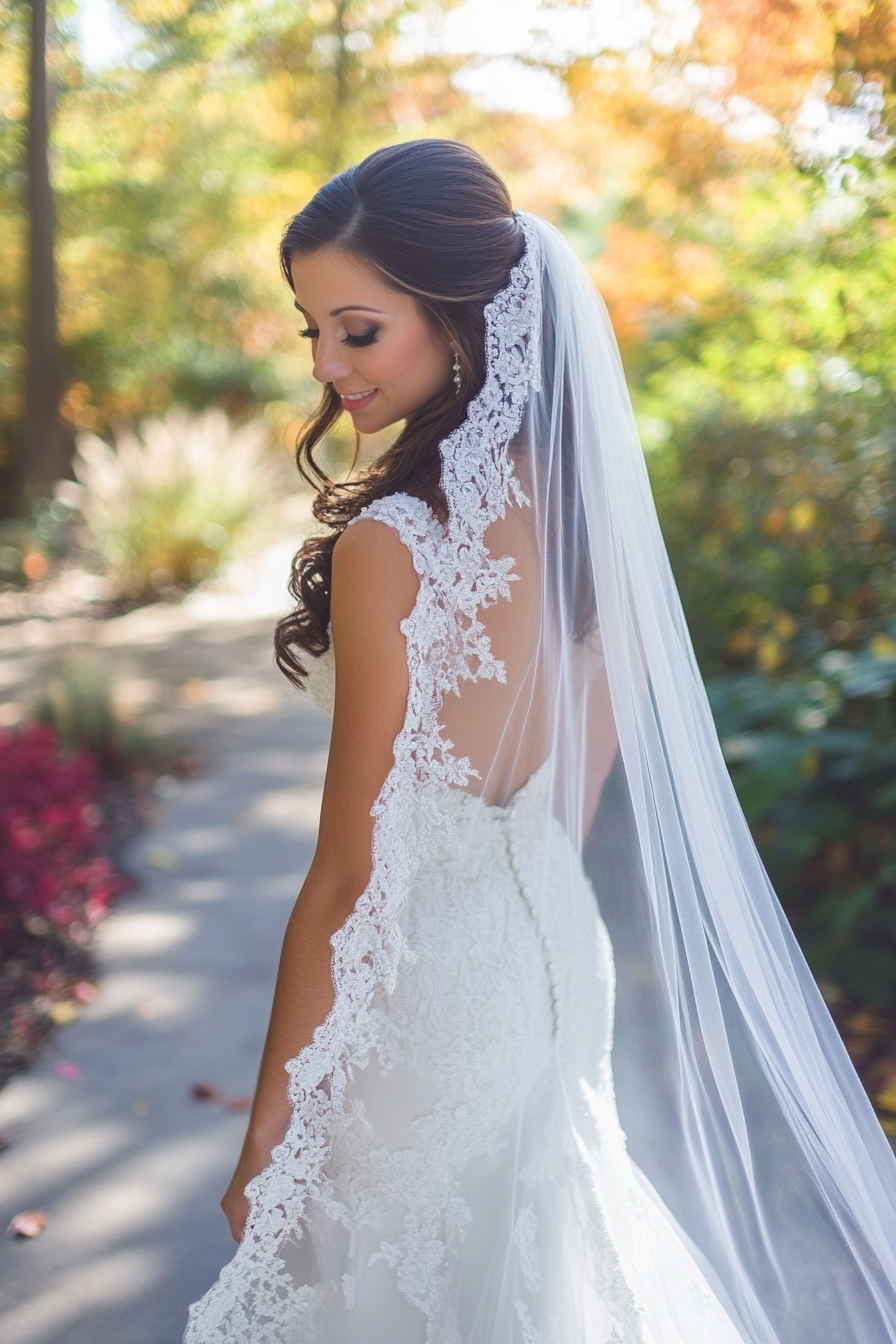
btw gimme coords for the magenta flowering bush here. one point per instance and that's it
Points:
(57, 880)
(52, 864)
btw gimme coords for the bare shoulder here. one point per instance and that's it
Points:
(373, 571)
(368, 538)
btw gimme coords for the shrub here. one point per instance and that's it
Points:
(52, 864)
(782, 533)
(813, 757)
(79, 704)
(165, 507)
(56, 882)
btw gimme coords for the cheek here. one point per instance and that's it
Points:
(413, 362)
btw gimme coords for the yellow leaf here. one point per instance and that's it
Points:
(768, 654)
(882, 646)
(886, 1100)
(802, 515)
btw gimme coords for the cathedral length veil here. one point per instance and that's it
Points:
(737, 1097)
(556, 718)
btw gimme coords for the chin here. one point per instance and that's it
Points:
(371, 422)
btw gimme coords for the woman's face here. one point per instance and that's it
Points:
(368, 340)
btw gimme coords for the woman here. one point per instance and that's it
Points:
(524, 786)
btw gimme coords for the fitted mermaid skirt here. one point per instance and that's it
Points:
(475, 1187)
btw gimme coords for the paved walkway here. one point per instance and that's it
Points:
(126, 1166)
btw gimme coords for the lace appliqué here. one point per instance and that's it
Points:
(524, 1230)
(531, 1333)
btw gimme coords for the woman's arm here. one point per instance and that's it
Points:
(374, 586)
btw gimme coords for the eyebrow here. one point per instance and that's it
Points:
(346, 308)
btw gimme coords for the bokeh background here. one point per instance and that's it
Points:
(726, 170)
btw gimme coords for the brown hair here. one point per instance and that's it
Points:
(437, 223)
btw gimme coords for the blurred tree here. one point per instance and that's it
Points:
(643, 154)
(176, 173)
(13, 108)
(343, 79)
(46, 444)
(777, 51)
(756, 303)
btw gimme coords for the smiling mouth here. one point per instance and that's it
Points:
(354, 401)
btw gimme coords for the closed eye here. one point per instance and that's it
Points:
(368, 338)
(311, 333)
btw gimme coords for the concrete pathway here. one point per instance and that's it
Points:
(126, 1166)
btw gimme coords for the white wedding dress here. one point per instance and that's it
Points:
(455, 1171)
(476, 1186)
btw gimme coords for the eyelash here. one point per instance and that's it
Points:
(355, 342)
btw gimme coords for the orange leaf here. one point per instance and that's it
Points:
(28, 1224)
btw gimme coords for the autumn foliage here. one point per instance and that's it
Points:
(778, 50)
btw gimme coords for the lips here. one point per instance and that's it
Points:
(356, 401)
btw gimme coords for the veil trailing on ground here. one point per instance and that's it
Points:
(738, 1100)
(455, 1171)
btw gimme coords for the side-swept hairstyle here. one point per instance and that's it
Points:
(437, 222)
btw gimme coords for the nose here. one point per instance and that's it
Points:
(330, 363)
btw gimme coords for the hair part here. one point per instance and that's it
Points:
(437, 222)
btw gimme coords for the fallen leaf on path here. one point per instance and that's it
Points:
(64, 1069)
(194, 691)
(206, 1092)
(209, 1092)
(63, 1012)
(28, 1224)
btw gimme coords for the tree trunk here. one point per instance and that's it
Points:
(336, 153)
(46, 443)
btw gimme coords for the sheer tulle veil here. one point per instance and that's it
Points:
(739, 1103)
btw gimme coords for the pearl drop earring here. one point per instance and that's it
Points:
(456, 374)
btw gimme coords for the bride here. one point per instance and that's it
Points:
(545, 1064)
